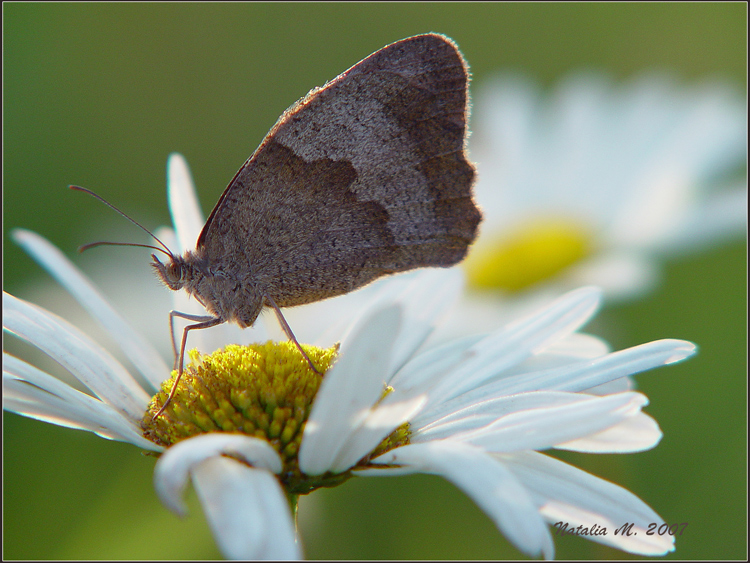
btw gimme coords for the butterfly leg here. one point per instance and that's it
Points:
(288, 331)
(172, 315)
(207, 322)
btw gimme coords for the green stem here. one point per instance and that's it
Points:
(294, 505)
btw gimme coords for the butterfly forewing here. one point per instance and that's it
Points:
(363, 177)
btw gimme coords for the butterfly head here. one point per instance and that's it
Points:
(173, 273)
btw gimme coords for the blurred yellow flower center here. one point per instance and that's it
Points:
(532, 253)
(262, 390)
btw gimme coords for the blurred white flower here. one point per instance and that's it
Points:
(475, 410)
(596, 182)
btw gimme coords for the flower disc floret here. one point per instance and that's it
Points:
(262, 390)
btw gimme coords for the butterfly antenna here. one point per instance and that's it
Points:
(107, 243)
(111, 206)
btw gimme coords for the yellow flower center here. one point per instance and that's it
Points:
(262, 390)
(532, 253)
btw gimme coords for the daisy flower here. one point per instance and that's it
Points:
(595, 182)
(252, 427)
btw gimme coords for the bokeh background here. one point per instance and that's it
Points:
(100, 94)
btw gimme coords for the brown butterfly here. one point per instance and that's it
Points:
(364, 177)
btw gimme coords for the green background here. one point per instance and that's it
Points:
(100, 94)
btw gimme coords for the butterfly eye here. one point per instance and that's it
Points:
(175, 272)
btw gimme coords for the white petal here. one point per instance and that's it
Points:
(183, 202)
(174, 466)
(517, 341)
(33, 393)
(376, 427)
(77, 353)
(480, 414)
(494, 412)
(354, 384)
(622, 274)
(722, 216)
(659, 199)
(639, 542)
(581, 376)
(564, 417)
(489, 484)
(569, 494)
(573, 377)
(247, 510)
(339, 314)
(424, 296)
(424, 370)
(635, 434)
(139, 351)
(579, 345)
(559, 356)
(425, 301)
(615, 386)
(705, 133)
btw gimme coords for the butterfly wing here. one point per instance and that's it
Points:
(363, 177)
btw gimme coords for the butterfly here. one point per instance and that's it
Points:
(363, 177)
